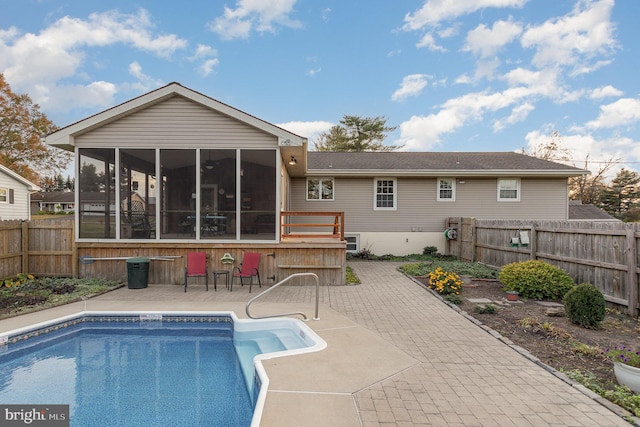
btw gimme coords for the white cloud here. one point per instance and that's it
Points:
(435, 11)
(411, 85)
(325, 14)
(253, 15)
(310, 130)
(429, 42)
(605, 92)
(573, 39)
(589, 152)
(206, 56)
(518, 114)
(145, 83)
(625, 111)
(486, 42)
(58, 52)
(65, 98)
(421, 133)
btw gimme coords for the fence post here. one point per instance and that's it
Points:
(533, 247)
(459, 239)
(25, 246)
(74, 251)
(474, 239)
(632, 276)
(447, 243)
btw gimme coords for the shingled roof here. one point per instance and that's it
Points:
(434, 163)
(578, 211)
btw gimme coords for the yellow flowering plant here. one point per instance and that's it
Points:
(445, 282)
(20, 278)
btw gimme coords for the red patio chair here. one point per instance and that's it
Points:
(196, 267)
(248, 269)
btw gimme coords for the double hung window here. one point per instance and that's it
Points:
(385, 190)
(509, 190)
(446, 189)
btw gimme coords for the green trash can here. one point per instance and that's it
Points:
(137, 272)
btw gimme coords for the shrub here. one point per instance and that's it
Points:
(445, 282)
(430, 250)
(585, 305)
(453, 299)
(536, 280)
(485, 309)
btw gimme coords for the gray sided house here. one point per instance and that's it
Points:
(174, 170)
(15, 194)
(397, 202)
(52, 202)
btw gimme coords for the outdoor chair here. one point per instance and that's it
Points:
(248, 269)
(196, 267)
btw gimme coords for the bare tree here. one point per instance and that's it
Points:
(586, 188)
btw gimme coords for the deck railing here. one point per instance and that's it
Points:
(310, 226)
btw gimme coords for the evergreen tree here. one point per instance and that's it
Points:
(356, 134)
(622, 195)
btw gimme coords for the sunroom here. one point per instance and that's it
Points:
(174, 171)
(177, 194)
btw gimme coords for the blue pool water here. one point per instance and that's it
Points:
(141, 373)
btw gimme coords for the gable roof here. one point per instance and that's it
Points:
(434, 164)
(64, 137)
(30, 185)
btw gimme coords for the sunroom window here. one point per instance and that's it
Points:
(184, 194)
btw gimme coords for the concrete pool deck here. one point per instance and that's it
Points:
(396, 356)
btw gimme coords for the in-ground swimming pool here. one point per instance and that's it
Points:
(148, 368)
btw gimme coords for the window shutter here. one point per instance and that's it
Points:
(11, 196)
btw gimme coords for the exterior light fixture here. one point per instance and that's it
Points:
(293, 161)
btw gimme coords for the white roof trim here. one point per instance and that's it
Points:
(31, 186)
(64, 136)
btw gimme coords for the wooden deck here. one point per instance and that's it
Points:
(324, 257)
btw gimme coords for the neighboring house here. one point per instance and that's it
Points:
(580, 212)
(15, 193)
(221, 175)
(52, 201)
(397, 202)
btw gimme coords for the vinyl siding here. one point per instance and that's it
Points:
(418, 206)
(176, 120)
(19, 209)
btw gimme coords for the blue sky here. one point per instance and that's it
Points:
(468, 75)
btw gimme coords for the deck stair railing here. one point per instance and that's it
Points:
(298, 313)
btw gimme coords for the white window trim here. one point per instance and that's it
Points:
(375, 194)
(453, 190)
(320, 199)
(517, 199)
(356, 241)
(6, 195)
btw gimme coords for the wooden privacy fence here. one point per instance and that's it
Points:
(47, 248)
(43, 247)
(604, 254)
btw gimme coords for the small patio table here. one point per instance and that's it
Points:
(217, 273)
